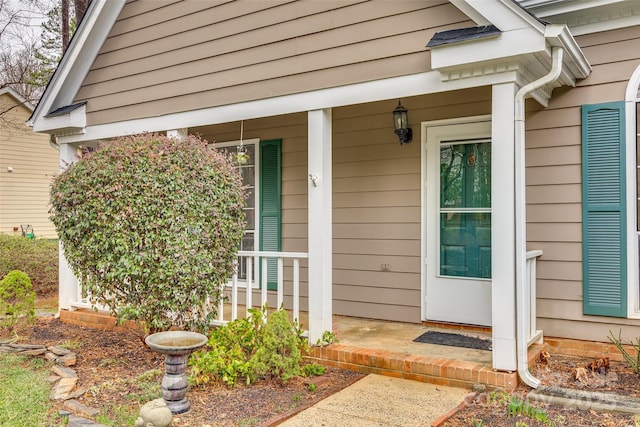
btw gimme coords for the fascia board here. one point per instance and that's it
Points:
(379, 90)
(7, 90)
(575, 61)
(545, 8)
(504, 14)
(509, 44)
(73, 122)
(77, 60)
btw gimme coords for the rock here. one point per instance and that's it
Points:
(50, 357)
(154, 414)
(59, 351)
(33, 352)
(63, 388)
(79, 392)
(67, 359)
(75, 421)
(79, 408)
(63, 371)
(27, 346)
(51, 379)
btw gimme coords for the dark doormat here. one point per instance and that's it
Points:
(454, 340)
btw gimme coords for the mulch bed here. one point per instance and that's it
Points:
(490, 408)
(106, 359)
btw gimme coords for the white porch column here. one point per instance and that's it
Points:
(503, 297)
(178, 133)
(320, 223)
(67, 281)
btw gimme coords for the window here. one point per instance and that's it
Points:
(465, 208)
(262, 177)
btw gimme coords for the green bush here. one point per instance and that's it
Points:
(16, 298)
(151, 225)
(256, 347)
(36, 257)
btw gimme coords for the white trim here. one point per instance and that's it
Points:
(503, 238)
(423, 196)
(256, 194)
(391, 88)
(633, 257)
(320, 222)
(7, 90)
(475, 308)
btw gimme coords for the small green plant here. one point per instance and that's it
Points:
(16, 299)
(312, 387)
(478, 423)
(259, 346)
(498, 397)
(633, 362)
(327, 338)
(517, 406)
(313, 370)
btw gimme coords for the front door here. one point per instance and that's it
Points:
(458, 223)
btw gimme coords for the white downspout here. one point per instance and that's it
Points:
(521, 218)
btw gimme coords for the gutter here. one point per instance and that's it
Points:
(520, 215)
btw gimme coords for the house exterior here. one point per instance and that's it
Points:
(524, 118)
(27, 165)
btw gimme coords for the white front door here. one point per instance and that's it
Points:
(458, 223)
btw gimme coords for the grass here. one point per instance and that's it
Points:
(24, 395)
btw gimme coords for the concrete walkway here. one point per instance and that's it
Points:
(381, 401)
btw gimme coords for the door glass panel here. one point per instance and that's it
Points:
(465, 209)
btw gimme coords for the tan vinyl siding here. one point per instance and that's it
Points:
(554, 193)
(181, 56)
(376, 198)
(24, 193)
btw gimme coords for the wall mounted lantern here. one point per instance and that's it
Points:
(401, 124)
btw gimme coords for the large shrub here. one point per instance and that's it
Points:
(151, 225)
(38, 258)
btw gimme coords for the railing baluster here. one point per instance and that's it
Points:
(280, 287)
(296, 289)
(249, 288)
(263, 281)
(234, 291)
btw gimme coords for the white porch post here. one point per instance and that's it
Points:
(67, 281)
(503, 297)
(319, 223)
(178, 133)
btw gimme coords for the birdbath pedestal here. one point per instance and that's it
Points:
(176, 347)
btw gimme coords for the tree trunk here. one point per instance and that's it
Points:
(64, 24)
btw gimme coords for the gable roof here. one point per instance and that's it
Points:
(76, 61)
(7, 90)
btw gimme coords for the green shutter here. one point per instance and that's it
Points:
(603, 210)
(270, 205)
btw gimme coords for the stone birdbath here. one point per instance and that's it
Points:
(176, 347)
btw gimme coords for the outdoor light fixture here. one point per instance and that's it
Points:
(401, 124)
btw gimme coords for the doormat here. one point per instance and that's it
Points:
(454, 340)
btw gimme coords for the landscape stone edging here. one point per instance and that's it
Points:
(63, 380)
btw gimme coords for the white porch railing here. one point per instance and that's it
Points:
(534, 335)
(260, 258)
(251, 260)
